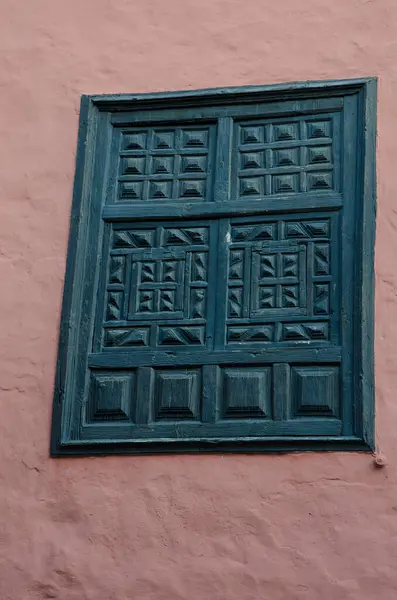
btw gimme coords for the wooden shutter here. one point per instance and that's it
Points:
(219, 284)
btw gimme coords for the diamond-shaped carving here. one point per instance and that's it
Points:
(321, 299)
(113, 311)
(185, 236)
(169, 271)
(300, 332)
(167, 300)
(290, 296)
(199, 267)
(181, 336)
(253, 232)
(146, 301)
(251, 334)
(290, 265)
(267, 297)
(133, 238)
(267, 266)
(197, 304)
(307, 229)
(147, 272)
(117, 269)
(236, 265)
(127, 337)
(235, 302)
(321, 259)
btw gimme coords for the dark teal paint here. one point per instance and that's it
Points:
(297, 371)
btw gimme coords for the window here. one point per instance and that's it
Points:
(219, 285)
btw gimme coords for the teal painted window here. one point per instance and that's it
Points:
(219, 285)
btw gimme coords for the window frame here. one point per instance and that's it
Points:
(95, 116)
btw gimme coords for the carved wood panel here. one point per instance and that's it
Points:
(217, 285)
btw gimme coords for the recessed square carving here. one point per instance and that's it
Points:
(252, 160)
(193, 164)
(286, 131)
(254, 186)
(131, 190)
(160, 190)
(318, 129)
(177, 394)
(163, 140)
(162, 165)
(134, 141)
(192, 189)
(315, 391)
(195, 138)
(111, 396)
(318, 155)
(252, 135)
(133, 165)
(319, 181)
(246, 392)
(285, 184)
(286, 157)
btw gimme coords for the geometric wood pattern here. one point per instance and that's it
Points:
(220, 269)
(315, 391)
(111, 396)
(162, 164)
(178, 394)
(278, 271)
(284, 156)
(157, 286)
(246, 392)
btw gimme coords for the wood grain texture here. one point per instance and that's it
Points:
(214, 269)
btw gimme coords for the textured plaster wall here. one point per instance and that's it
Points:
(187, 527)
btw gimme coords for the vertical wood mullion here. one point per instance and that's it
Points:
(144, 395)
(223, 159)
(281, 391)
(222, 193)
(220, 285)
(211, 390)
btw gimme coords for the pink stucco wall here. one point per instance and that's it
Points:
(178, 527)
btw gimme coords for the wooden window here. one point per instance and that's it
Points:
(219, 284)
